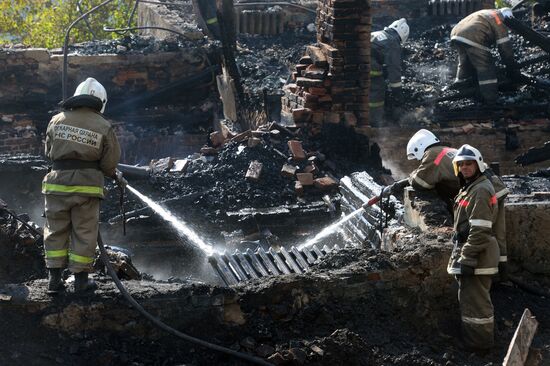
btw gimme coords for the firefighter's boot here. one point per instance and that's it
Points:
(82, 283)
(55, 284)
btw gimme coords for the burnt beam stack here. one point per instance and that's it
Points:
(331, 81)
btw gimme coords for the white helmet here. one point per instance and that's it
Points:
(506, 12)
(402, 28)
(419, 143)
(467, 152)
(92, 87)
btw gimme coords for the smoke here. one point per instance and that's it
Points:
(440, 75)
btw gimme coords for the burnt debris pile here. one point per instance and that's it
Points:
(21, 251)
(269, 167)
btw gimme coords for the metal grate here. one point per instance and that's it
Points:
(239, 266)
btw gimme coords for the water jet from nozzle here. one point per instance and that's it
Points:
(179, 225)
(329, 229)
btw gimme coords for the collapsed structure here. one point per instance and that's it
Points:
(257, 178)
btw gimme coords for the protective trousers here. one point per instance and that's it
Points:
(472, 59)
(377, 94)
(70, 232)
(476, 311)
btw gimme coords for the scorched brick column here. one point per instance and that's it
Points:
(331, 82)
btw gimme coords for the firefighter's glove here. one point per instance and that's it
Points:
(503, 271)
(398, 187)
(120, 180)
(466, 270)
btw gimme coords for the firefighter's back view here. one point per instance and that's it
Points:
(83, 149)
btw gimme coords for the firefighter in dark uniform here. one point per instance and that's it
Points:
(83, 148)
(436, 169)
(475, 255)
(386, 51)
(473, 38)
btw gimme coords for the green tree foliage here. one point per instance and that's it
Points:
(42, 23)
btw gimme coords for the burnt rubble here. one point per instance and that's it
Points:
(429, 67)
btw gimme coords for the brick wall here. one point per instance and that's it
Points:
(331, 81)
(32, 76)
(18, 134)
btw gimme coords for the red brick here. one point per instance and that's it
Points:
(325, 183)
(306, 179)
(298, 188)
(311, 169)
(317, 91)
(216, 138)
(296, 150)
(301, 114)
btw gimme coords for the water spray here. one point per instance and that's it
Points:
(178, 224)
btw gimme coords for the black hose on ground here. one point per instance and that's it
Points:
(105, 259)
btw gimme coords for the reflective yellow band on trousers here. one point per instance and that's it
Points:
(212, 20)
(48, 188)
(376, 73)
(376, 104)
(80, 259)
(56, 253)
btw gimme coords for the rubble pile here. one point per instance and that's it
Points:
(293, 168)
(265, 62)
(21, 250)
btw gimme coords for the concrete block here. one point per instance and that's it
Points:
(288, 171)
(254, 170)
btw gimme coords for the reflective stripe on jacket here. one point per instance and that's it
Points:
(80, 134)
(482, 30)
(475, 212)
(436, 168)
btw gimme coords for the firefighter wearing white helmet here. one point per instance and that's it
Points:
(435, 170)
(475, 254)
(386, 50)
(83, 148)
(473, 38)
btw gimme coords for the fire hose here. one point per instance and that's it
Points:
(110, 270)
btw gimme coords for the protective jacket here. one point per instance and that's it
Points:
(483, 29)
(80, 135)
(499, 227)
(436, 169)
(472, 37)
(385, 50)
(475, 213)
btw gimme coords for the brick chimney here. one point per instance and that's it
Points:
(331, 81)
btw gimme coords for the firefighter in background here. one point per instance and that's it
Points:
(475, 254)
(386, 52)
(436, 169)
(83, 148)
(473, 38)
